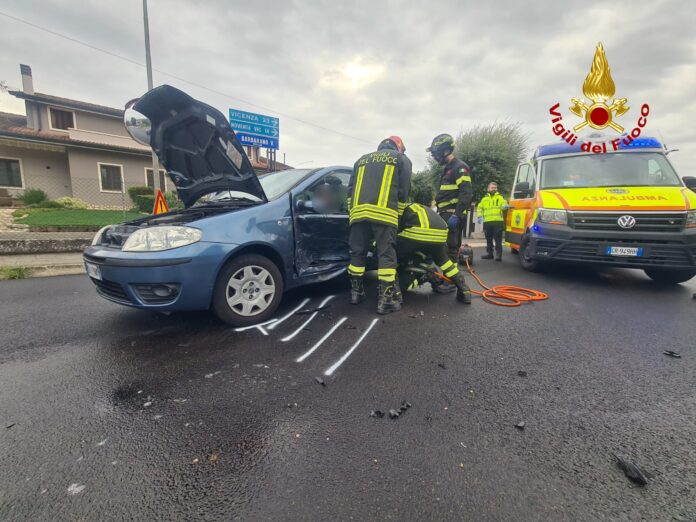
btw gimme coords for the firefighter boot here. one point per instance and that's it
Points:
(387, 301)
(463, 291)
(488, 255)
(399, 296)
(357, 290)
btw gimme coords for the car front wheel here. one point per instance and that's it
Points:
(670, 277)
(248, 290)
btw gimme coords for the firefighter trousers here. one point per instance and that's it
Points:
(406, 248)
(362, 234)
(454, 236)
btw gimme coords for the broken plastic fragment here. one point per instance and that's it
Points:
(377, 413)
(308, 311)
(442, 365)
(633, 472)
(10, 425)
(394, 414)
(520, 425)
(672, 353)
(74, 489)
(320, 381)
(522, 373)
(404, 406)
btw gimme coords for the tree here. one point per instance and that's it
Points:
(492, 153)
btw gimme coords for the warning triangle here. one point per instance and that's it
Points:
(160, 204)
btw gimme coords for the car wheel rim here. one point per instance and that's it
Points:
(250, 290)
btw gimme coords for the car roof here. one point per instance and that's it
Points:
(554, 149)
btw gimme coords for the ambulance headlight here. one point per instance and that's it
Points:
(552, 216)
(155, 239)
(691, 219)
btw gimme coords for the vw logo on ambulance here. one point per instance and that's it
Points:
(626, 221)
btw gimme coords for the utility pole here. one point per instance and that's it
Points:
(148, 66)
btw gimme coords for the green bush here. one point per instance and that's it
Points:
(68, 202)
(422, 190)
(173, 201)
(145, 202)
(33, 197)
(139, 190)
(45, 204)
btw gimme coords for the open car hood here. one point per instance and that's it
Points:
(196, 145)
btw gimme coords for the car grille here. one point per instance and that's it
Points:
(645, 221)
(656, 254)
(111, 290)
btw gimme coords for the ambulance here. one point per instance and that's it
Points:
(627, 208)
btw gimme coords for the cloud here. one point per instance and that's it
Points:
(371, 69)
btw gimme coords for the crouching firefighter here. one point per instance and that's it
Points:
(454, 193)
(377, 194)
(423, 233)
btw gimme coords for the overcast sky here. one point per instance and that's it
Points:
(369, 69)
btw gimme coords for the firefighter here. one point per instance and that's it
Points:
(454, 194)
(490, 212)
(377, 195)
(422, 230)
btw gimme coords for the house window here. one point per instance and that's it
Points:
(162, 179)
(10, 173)
(110, 178)
(62, 120)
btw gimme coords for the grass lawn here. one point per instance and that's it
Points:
(71, 219)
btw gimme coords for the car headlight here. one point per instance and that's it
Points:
(155, 239)
(97, 237)
(691, 219)
(554, 217)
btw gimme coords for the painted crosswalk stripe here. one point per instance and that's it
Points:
(293, 334)
(321, 341)
(352, 348)
(289, 315)
(259, 326)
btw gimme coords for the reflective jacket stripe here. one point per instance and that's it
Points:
(449, 187)
(418, 234)
(383, 197)
(422, 216)
(460, 179)
(447, 203)
(358, 184)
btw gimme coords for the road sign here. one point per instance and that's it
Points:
(160, 204)
(255, 130)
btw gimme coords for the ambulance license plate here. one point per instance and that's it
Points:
(93, 271)
(624, 251)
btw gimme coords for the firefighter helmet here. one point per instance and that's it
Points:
(441, 147)
(394, 143)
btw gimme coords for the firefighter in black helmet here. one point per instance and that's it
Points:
(377, 195)
(454, 193)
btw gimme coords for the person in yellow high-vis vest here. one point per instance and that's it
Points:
(490, 213)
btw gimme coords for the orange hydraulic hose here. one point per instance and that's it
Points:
(502, 295)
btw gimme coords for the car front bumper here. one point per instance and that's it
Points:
(178, 279)
(674, 250)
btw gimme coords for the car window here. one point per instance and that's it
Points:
(526, 174)
(330, 193)
(278, 183)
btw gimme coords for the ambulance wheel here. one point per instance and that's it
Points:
(670, 277)
(526, 260)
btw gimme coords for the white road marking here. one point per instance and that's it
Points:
(289, 315)
(347, 354)
(74, 489)
(244, 328)
(292, 335)
(320, 342)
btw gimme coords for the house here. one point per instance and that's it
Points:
(74, 148)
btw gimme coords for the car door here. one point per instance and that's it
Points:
(521, 205)
(320, 220)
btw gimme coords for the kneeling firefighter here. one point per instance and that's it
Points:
(377, 195)
(422, 230)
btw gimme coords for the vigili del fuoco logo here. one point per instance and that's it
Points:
(596, 112)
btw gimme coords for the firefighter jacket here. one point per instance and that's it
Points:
(491, 208)
(422, 224)
(455, 190)
(379, 187)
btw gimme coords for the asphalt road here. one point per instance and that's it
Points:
(108, 413)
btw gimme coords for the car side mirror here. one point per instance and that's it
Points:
(690, 182)
(522, 190)
(318, 207)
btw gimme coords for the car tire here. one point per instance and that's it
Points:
(670, 277)
(528, 263)
(243, 276)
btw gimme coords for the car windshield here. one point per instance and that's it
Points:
(631, 169)
(278, 183)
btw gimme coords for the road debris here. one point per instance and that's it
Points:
(211, 375)
(633, 472)
(102, 442)
(212, 458)
(520, 425)
(442, 365)
(194, 461)
(377, 413)
(672, 353)
(350, 327)
(308, 311)
(522, 373)
(74, 489)
(10, 425)
(147, 404)
(394, 414)
(320, 381)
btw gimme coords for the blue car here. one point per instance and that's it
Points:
(240, 242)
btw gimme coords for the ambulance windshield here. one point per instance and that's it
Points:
(621, 169)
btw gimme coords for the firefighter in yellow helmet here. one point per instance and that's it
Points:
(377, 195)
(490, 213)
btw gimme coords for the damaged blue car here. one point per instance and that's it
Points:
(240, 242)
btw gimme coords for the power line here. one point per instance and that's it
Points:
(184, 80)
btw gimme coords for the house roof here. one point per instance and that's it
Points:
(40, 97)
